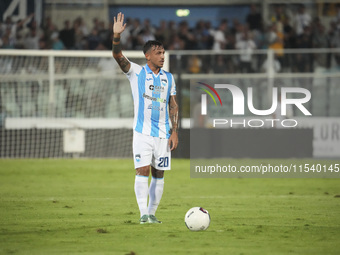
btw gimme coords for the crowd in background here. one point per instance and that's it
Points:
(284, 28)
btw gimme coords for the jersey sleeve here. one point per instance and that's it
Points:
(134, 69)
(173, 87)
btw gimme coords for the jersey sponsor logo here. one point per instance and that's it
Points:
(156, 89)
(155, 107)
(155, 99)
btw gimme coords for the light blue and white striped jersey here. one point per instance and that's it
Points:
(151, 94)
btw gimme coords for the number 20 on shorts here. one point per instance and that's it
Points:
(163, 162)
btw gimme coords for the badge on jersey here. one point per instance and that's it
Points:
(137, 157)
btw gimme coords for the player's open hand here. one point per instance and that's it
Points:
(173, 141)
(118, 23)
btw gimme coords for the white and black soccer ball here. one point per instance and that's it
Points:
(197, 219)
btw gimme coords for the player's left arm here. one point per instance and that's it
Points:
(173, 114)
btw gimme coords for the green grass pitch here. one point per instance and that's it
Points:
(88, 206)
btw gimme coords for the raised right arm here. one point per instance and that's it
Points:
(118, 28)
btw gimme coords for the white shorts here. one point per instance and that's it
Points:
(149, 150)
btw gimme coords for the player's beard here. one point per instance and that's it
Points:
(158, 65)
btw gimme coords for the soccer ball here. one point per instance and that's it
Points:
(197, 219)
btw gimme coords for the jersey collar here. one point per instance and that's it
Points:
(148, 70)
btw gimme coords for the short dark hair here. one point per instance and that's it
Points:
(149, 44)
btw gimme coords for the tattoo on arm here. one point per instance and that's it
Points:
(173, 113)
(116, 39)
(123, 63)
(117, 54)
(116, 48)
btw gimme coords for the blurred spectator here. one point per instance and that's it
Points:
(67, 35)
(305, 39)
(104, 33)
(162, 33)
(237, 30)
(301, 20)
(275, 39)
(201, 35)
(172, 26)
(219, 36)
(289, 35)
(95, 22)
(20, 35)
(83, 27)
(289, 42)
(32, 40)
(208, 31)
(135, 30)
(5, 42)
(230, 45)
(48, 29)
(186, 36)
(332, 31)
(109, 35)
(34, 25)
(78, 35)
(246, 45)
(176, 43)
(165, 32)
(93, 40)
(9, 28)
(57, 44)
(42, 44)
(279, 16)
(254, 19)
(194, 64)
(147, 26)
(147, 35)
(303, 61)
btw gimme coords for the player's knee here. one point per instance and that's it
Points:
(145, 170)
(157, 173)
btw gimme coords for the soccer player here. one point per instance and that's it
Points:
(154, 96)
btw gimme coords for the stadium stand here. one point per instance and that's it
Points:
(302, 42)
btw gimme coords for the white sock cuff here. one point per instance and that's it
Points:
(141, 178)
(157, 180)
